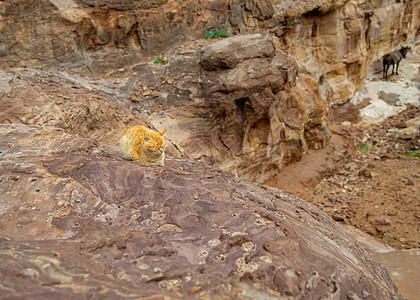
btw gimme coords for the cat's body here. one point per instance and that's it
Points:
(143, 145)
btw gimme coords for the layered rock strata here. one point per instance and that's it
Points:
(248, 112)
(334, 40)
(80, 222)
(264, 115)
(50, 99)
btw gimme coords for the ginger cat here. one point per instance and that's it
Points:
(143, 145)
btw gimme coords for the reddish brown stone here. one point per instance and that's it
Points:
(104, 227)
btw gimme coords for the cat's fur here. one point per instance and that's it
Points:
(143, 145)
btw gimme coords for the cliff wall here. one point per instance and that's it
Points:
(334, 41)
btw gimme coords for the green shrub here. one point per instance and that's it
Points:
(363, 147)
(158, 60)
(413, 153)
(215, 33)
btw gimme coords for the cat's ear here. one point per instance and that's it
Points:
(162, 132)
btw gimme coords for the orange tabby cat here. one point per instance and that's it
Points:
(143, 145)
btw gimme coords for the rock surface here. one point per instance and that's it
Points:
(42, 98)
(50, 99)
(252, 111)
(78, 221)
(335, 41)
(47, 31)
(249, 111)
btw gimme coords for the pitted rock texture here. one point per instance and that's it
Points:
(80, 222)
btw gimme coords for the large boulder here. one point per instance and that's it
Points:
(80, 222)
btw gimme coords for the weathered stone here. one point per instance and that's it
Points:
(331, 41)
(335, 41)
(60, 102)
(123, 4)
(252, 113)
(199, 104)
(262, 9)
(338, 217)
(384, 221)
(103, 227)
(220, 55)
(47, 31)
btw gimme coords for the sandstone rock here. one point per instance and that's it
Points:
(47, 31)
(384, 221)
(102, 227)
(251, 113)
(220, 55)
(59, 102)
(338, 217)
(330, 42)
(335, 41)
(123, 4)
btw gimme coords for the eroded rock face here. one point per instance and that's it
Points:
(42, 99)
(78, 221)
(261, 108)
(101, 35)
(251, 112)
(233, 102)
(335, 41)
(247, 111)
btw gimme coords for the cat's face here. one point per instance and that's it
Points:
(154, 143)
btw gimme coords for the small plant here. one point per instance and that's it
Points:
(413, 153)
(215, 33)
(365, 148)
(158, 60)
(317, 191)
